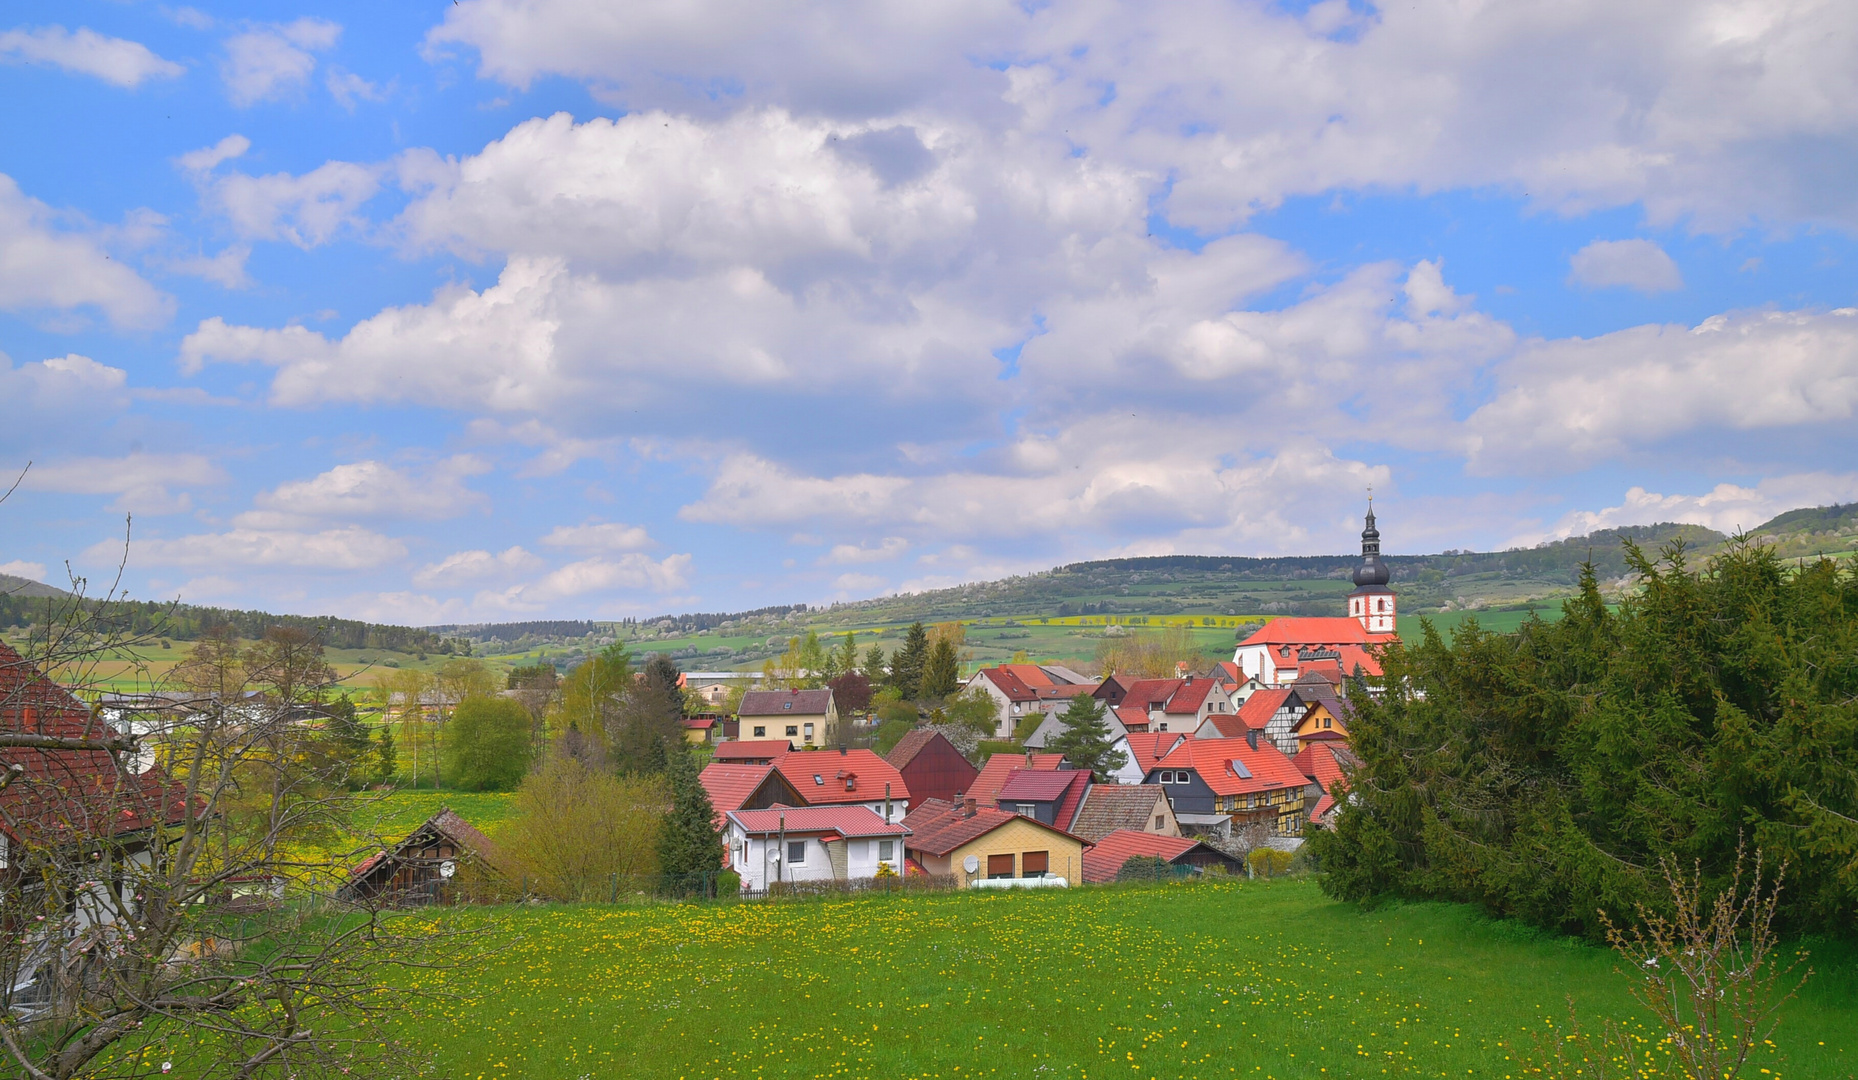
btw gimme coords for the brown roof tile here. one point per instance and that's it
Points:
(1109, 807)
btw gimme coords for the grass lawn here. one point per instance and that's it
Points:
(395, 814)
(1229, 979)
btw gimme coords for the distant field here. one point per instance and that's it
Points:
(1238, 979)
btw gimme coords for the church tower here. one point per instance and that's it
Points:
(1372, 602)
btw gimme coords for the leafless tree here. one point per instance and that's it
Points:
(165, 873)
(1707, 972)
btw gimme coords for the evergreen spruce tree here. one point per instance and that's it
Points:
(349, 739)
(1085, 738)
(942, 672)
(874, 664)
(689, 843)
(387, 757)
(906, 667)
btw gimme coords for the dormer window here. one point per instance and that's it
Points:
(787, 704)
(818, 780)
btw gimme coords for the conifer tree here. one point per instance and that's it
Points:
(689, 843)
(942, 672)
(906, 667)
(1085, 738)
(874, 664)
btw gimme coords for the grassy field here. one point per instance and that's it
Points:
(1229, 979)
(394, 815)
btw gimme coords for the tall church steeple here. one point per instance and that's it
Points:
(1372, 602)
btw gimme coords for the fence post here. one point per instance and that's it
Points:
(614, 898)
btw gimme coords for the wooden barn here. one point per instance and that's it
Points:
(932, 767)
(422, 868)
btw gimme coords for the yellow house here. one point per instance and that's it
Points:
(948, 839)
(805, 718)
(1319, 721)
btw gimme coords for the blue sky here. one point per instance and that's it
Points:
(514, 308)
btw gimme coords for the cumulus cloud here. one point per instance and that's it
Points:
(465, 567)
(1725, 507)
(1630, 264)
(307, 210)
(272, 60)
(114, 60)
(43, 266)
(373, 490)
(580, 581)
(140, 482)
(1561, 405)
(208, 158)
(32, 571)
(889, 548)
(598, 536)
(1721, 113)
(1103, 476)
(349, 547)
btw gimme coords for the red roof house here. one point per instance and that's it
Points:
(1106, 858)
(932, 767)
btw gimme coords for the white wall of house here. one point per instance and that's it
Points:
(761, 860)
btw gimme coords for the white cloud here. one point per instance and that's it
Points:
(1103, 476)
(1631, 264)
(1725, 508)
(372, 490)
(890, 547)
(307, 210)
(275, 59)
(21, 568)
(1561, 405)
(855, 586)
(347, 548)
(578, 581)
(469, 566)
(1721, 113)
(45, 267)
(84, 51)
(599, 536)
(140, 482)
(346, 88)
(208, 158)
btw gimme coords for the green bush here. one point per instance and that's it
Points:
(487, 744)
(1269, 862)
(900, 711)
(728, 884)
(1145, 868)
(889, 734)
(1028, 725)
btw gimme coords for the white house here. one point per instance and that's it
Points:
(812, 843)
(1019, 690)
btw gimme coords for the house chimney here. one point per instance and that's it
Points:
(1251, 736)
(968, 807)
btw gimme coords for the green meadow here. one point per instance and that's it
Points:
(1228, 978)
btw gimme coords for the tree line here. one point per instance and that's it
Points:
(1545, 774)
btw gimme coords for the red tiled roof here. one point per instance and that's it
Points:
(986, 786)
(1147, 747)
(698, 723)
(1029, 682)
(1032, 675)
(1323, 806)
(1065, 815)
(841, 776)
(64, 796)
(1261, 706)
(847, 821)
(1036, 785)
(784, 703)
(1102, 861)
(1309, 630)
(1269, 769)
(1228, 725)
(1188, 696)
(729, 786)
(938, 828)
(1324, 763)
(751, 748)
(913, 742)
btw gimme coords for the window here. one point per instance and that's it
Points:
(1164, 725)
(809, 733)
(787, 705)
(886, 850)
(792, 730)
(1160, 823)
(761, 731)
(1023, 808)
(999, 866)
(1035, 864)
(818, 780)
(796, 852)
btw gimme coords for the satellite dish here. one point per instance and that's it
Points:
(447, 868)
(971, 863)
